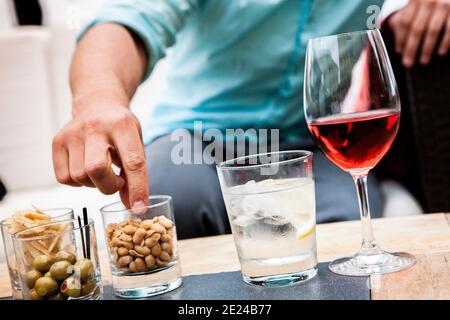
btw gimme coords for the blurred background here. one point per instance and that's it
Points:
(36, 45)
(35, 51)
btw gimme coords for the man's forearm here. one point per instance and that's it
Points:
(108, 64)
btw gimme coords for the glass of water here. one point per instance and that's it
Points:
(270, 201)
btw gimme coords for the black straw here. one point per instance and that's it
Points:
(82, 236)
(88, 237)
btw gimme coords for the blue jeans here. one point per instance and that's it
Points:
(199, 206)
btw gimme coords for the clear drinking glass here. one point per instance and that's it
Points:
(142, 248)
(58, 261)
(352, 108)
(270, 201)
(56, 214)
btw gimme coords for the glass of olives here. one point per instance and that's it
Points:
(59, 266)
(21, 220)
(142, 248)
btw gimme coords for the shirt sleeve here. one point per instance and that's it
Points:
(156, 22)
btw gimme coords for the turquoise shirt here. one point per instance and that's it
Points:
(233, 63)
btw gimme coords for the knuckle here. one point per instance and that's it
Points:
(433, 31)
(63, 178)
(108, 190)
(122, 120)
(134, 162)
(416, 30)
(58, 141)
(394, 21)
(70, 133)
(96, 168)
(93, 123)
(403, 22)
(79, 176)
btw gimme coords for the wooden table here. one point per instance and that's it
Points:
(425, 236)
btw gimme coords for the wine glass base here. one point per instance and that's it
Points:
(364, 265)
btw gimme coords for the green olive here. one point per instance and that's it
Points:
(61, 270)
(71, 287)
(88, 287)
(84, 268)
(32, 276)
(32, 294)
(46, 286)
(43, 263)
(66, 255)
(58, 296)
(48, 274)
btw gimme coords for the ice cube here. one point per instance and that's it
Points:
(275, 220)
(251, 205)
(243, 220)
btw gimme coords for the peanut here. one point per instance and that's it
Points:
(166, 238)
(115, 242)
(133, 267)
(160, 263)
(146, 224)
(130, 230)
(164, 256)
(116, 233)
(125, 237)
(166, 246)
(150, 242)
(133, 222)
(124, 261)
(149, 233)
(134, 253)
(156, 250)
(142, 250)
(140, 265)
(128, 245)
(122, 251)
(166, 223)
(150, 261)
(139, 235)
(158, 228)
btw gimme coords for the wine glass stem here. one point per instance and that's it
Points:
(369, 245)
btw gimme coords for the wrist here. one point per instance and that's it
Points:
(98, 99)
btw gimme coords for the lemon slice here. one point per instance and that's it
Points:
(305, 226)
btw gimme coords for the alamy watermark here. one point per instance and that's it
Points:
(213, 146)
(372, 21)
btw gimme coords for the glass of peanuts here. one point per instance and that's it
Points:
(22, 220)
(142, 248)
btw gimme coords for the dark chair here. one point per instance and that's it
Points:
(420, 156)
(2, 190)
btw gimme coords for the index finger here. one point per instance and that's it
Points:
(403, 20)
(132, 157)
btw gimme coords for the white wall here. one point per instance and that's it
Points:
(7, 18)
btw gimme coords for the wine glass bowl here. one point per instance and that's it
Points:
(352, 109)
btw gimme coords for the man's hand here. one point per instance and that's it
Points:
(107, 67)
(419, 24)
(84, 150)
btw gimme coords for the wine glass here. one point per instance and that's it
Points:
(352, 109)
